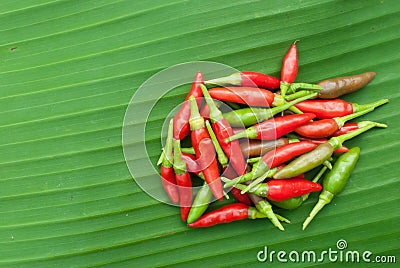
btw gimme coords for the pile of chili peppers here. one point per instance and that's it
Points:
(261, 151)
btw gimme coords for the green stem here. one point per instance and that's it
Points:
(215, 113)
(265, 207)
(167, 160)
(281, 218)
(253, 160)
(298, 94)
(222, 158)
(284, 88)
(196, 121)
(341, 120)
(188, 150)
(179, 163)
(361, 107)
(337, 142)
(258, 170)
(294, 86)
(269, 174)
(324, 198)
(327, 164)
(250, 133)
(161, 158)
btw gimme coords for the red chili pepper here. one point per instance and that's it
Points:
(275, 158)
(283, 189)
(247, 79)
(200, 136)
(222, 131)
(342, 149)
(183, 180)
(167, 171)
(226, 214)
(181, 119)
(347, 128)
(244, 95)
(325, 109)
(326, 127)
(274, 128)
(289, 69)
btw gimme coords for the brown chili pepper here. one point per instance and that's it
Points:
(335, 87)
(255, 148)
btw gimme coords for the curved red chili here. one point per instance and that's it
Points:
(200, 135)
(181, 119)
(183, 180)
(325, 109)
(167, 171)
(226, 214)
(244, 95)
(274, 128)
(222, 131)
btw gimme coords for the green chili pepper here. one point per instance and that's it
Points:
(335, 180)
(200, 203)
(320, 154)
(251, 116)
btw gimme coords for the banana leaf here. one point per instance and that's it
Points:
(68, 70)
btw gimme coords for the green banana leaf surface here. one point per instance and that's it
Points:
(68, 70)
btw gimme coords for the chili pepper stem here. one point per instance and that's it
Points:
(327, 164)
(167, 159)
(341, 120)
(281, 218)
(298, 94)
(222, 158)
(284, 88)
(250, 133)
(234, 79)
(179, 163)
(196, 121)
(337, 142)
(253, 160)
(294, 86)
(188, 150)
(258, 170)
(269, 174)
(361, 107)
(266, 208)
(160, 160)
(215, 113)
(324, 199)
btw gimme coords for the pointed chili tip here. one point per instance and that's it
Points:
(297, 40)
(199, 78)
